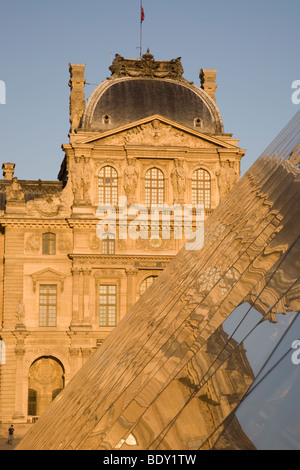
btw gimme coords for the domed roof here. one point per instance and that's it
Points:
(141, 88)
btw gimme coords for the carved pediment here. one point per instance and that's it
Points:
(157, 131)
(48, 275)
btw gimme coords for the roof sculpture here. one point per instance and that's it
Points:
(206, 358)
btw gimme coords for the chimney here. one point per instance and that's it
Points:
(77, 101)
(208, 81)
(8, 171)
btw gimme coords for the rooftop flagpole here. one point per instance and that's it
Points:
(142, 13)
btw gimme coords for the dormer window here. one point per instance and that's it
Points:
(106, 119)
(198, 122)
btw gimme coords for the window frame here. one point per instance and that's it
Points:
(48, 243)
(201, 188)
(107, 304)
(151, 276)
(154, 194)
(47, 304)
(108, 244)
(108, 193)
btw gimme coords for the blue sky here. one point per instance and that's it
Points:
(254, 45)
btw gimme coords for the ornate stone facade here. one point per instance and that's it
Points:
(64, 288)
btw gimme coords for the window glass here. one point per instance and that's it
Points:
(108, 186)
(49, 243)
(147, 283)
(201, 188)
(154, 187)
(108, 305)
(48, 304)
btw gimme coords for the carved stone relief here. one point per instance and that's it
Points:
(156, 133)
(64, 242)
(227, 178)
(33, 242)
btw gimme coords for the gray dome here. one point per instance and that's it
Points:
(129, 99)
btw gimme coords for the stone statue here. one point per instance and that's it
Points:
(222, 175)
(130, 180)
(14, 191)
(20, 312)
(178, 181)
(232, 176)
(86, 180)
(81, 174)
(227, 178)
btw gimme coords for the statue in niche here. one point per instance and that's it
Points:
(14, 192)
(86, 180)
(130, 180)
(81, 174)
(232, 176)
(20, 312)
(178, 181)
(227, 178)
(222, 175)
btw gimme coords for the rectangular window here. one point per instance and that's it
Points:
(48, 304)
(108, 305)
(108, 246)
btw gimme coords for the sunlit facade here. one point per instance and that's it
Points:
(209, 357)
(64, 285)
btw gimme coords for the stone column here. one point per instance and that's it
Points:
(77, 101)
(75, 310)
(131, 286)
(20, 386)
(86, 296)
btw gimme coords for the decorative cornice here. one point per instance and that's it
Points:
(33, 222)
(120, 258)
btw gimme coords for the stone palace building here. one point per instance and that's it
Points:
(146, 136)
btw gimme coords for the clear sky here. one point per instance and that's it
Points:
(253, 44)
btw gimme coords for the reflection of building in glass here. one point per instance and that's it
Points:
(204, 357)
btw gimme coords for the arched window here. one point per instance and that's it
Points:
(154, 187)
(147, 283)
(108, 186)
(201, 188)
(108, 244)
(49, 243)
